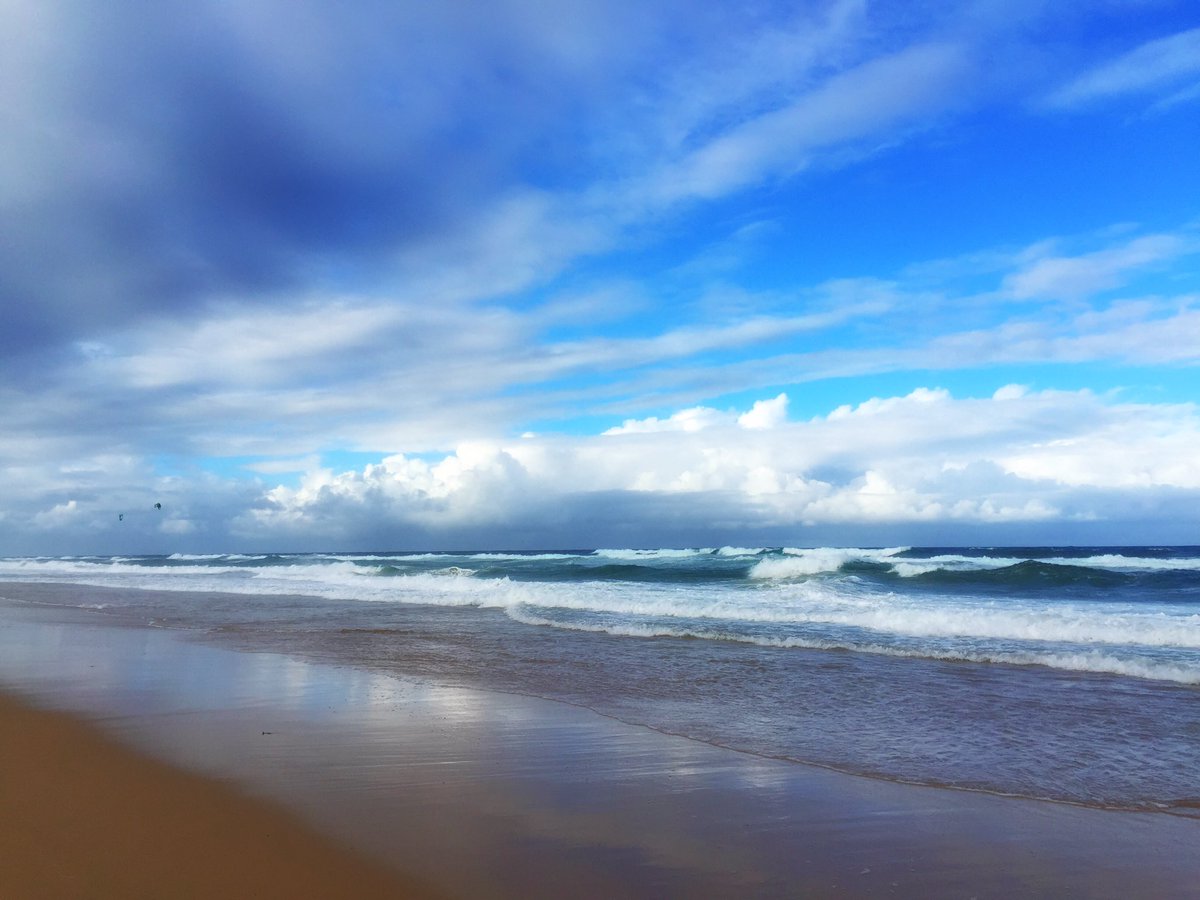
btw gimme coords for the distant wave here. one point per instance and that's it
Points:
(1104, 570)
(665, 553)
(101, 571)
(200, 557)
(1118, 562)
(1028, 573)
(524, 557)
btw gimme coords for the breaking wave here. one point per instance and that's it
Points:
(1133, 612)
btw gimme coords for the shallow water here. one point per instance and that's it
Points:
(498, 796)
(1068, 674)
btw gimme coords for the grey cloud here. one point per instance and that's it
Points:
(565, 521)
(715, 518)
(157, 154)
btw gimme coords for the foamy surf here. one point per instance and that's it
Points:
(1133, 612)
(989, 667)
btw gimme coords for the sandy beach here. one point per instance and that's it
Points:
(87, 817)
(473, 793)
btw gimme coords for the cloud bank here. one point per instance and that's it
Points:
(1018, 462)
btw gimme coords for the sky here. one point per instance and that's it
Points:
(523, 275)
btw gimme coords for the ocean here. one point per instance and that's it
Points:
(1066, 674)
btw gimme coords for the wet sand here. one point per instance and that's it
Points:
(86, 817)
(482, 794)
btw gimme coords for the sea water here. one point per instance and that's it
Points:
(1069, 674)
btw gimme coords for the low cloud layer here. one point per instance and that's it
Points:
(927, 463)
(926, 457)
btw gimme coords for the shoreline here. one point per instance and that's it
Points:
(487, 794)
(497, 652)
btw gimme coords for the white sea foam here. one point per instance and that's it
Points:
(911, 568)
(852, 552)
(393, 558)
(1116, 561)
(1066, 625)
(798, 563)
(822, 606)
(800, 603)
(1109, 561)
(780, 606)
(1082, 661)
(523, 557)
(72, 568)
(199, 557)
(665, 553)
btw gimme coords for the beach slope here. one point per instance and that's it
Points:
(85, 817)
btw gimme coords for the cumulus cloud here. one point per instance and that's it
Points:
(696, 418)
(1018, 460)
(765, 413)
(1016, 457)
(58, 516)
(762, 415)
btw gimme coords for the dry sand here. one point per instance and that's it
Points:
(84, 817)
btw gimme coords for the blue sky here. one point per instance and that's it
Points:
(493, 275)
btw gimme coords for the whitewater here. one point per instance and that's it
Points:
(1064, 673)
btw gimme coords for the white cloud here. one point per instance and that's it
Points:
(522, 239)
(1011, 392)
(1144, 447)
(765, 414)
(879, 95)
(1157, 64)
(881, 406)
(58, 516)
(696, 418)
(246, 347)
(1178, 98)
(925, 457)
(748, 72)
(1170, 335)
(1065, 277)
(368, 373)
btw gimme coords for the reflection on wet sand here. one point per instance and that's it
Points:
(493, 795)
